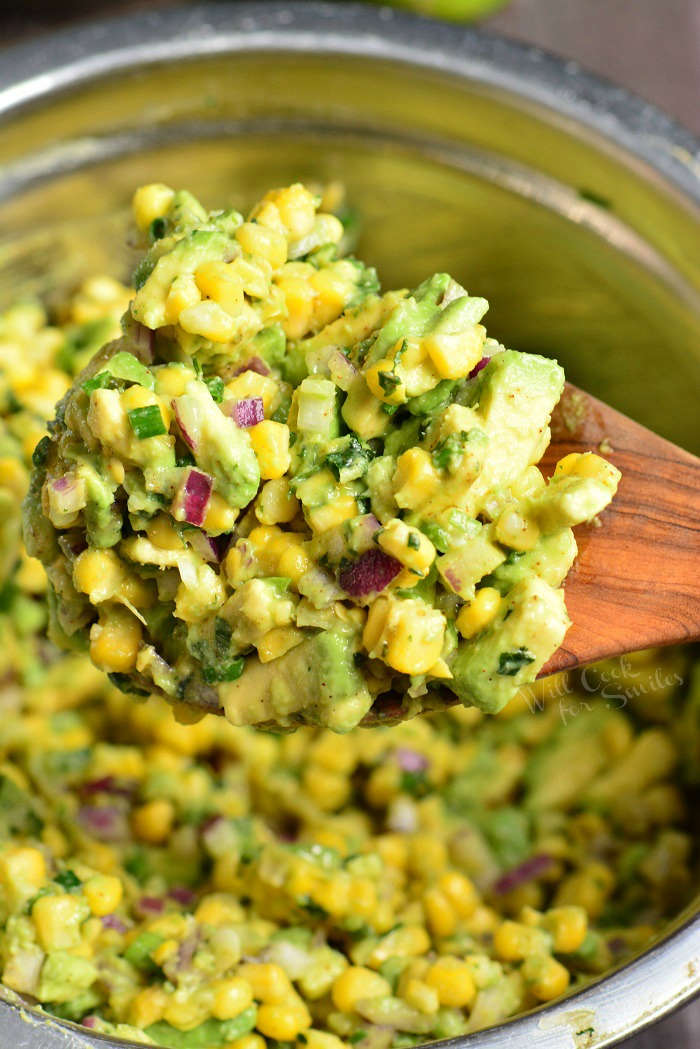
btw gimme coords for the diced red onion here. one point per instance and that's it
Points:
(192, 498)
(411, 760)
(477, 367)
(69, 493)
(90, 1021)
(254, 364)
(617, 944)
(110, 921)
(150, 904)
(372, 572)
(105, 822)
(529, 870)
(182, 895)
(185, 414)
(342, 371)
(249, 411)
(108, 785)
(453, 578)
(211, 548)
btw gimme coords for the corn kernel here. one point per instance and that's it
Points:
(476, 616)
(182, 295)
(98, 573)
(453, 981)
(284, 1021)
(421, 996)
(115, 640)
(384, 383)
(251, 384)
(270, 442)
(460, 891)
(220, 517)
(408, 545)
(340, 509)
(415, 478)
(231, 997)
(276, 504)
(277, 641)
(147, 1007)
(269, 982)
(22, 873)
(439, 913)
(408, 635)
(151, 202)
(355, 984)
(295, 206)
(153, 821)
(544, 976)
(57, 920)
(266, 243)
(103, 893)
(454, 355)
(513, 941)
(248, 1041)
(219, 282)
(185, 1010)
(209, 320)
(293, 563)
(516, 531)
(587, 464)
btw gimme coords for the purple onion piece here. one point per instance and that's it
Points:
(411, 760)
(532, 868)
(151, 905)
(617, 944)
(254, 364)
(192, 499)
(372, 572)
(90, 1021)
(108, 785)
(342, 370)
(179, 419)
(249, 411)
(477, 367)
(182, 895)
(110, 921)
(105, 822)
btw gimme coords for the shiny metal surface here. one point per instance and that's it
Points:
(572, 205)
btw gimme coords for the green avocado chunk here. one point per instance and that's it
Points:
(207, 1035)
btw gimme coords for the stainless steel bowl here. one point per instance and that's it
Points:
(573, 206)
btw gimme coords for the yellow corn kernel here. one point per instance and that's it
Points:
(55, 841)
(147, 1007)
(269, 982)
(248, 1041)
(153, 821)
(251, 384)
(454, 356)
(332, 292)
(544, 976)
(295, 206)
(588, 887)
(439, 913)
(185, 1010)
(516, 531)
(22, 873)
(408, 635)
(98, 573)
(276, 504)
(299, 298)
(327, 788)
(219, 282)
(151, 202)
(421, 996)
(165, 950)
(231, 997)
(268, 244)
(103, 893)
(183, 295)
(476, 616)
(460, 891)
(408, 545)
(568, 927)
(277, 641)
(115, 640)
(452, 979)
(225, 873)
(57, 920)
(323, 1040)
(513, 941)
(384, 383)
(284, 1021)
(355, 984)
(209, 320)
(587, 464)
(220, 517)
(340, 509)
(415, 478)
(294, 562)
(270, 442)
(172, 379)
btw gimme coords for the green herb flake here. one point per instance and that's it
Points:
(147, 421)
(215, 385)
(509, 663)
(68, 880)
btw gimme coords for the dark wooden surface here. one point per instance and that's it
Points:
(650, 46)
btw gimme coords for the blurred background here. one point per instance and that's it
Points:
(649, 46)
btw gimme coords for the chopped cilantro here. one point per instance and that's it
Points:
(509, 663)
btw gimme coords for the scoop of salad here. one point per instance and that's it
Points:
(282, 494)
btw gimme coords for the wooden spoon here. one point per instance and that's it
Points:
(635, 582)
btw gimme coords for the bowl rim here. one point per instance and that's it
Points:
(641, 991)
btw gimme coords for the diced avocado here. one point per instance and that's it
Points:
(64, 976)
(103, 521)
(318, 676)
(468, 561)
(208, 1035)
(489, 669)
(182, 260)
(220, 448)
(411, 318)
(551, 558)
(571, 500)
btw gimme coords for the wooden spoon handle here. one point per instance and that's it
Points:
(635, 581)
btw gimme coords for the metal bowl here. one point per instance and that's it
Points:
(572, 205)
